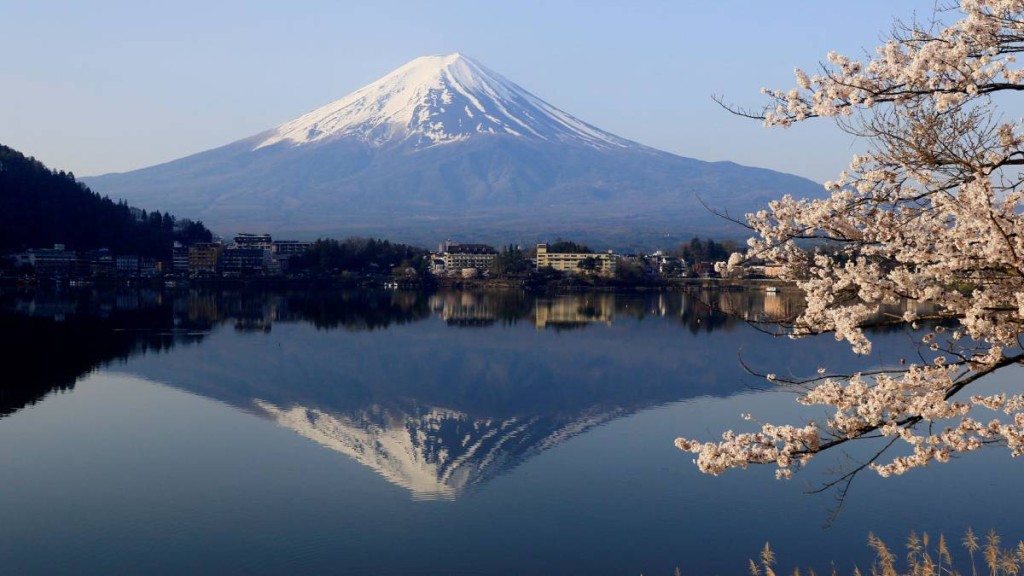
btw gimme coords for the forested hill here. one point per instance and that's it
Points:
(40, 207)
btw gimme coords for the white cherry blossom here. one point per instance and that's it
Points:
(933, 212)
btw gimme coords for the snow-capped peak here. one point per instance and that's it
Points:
(436, 453)
(435, 100)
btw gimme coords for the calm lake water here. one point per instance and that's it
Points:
(449, 433)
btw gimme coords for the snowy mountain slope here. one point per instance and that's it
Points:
(437, 100)
(435, 453)
(443, 147)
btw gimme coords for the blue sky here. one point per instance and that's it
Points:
(111, 85)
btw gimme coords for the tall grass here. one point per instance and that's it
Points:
(924, 556)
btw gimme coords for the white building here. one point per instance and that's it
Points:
(602, 262)
(458, 257)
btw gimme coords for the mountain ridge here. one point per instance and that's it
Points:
(443, 147)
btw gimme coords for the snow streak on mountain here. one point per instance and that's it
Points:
(436, 100)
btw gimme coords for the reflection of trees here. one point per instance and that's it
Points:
(702, 316)
(56, 338)
(257, 310)
(50, 350)
(463, 408)
(511, 306)
(359, 310)
(707, 311)
(701, 311)
(52, 339)
(458, 410)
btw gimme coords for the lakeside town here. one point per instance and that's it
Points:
(259, 256)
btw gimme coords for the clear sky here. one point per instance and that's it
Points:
(114, 85)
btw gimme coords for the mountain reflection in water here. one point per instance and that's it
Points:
(428, 406)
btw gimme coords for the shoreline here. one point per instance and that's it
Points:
(529, 284)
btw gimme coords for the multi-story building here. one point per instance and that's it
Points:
(600, 262)
(288, 248)
(179, 258)
(98, 264)
(458, 257)
(127, 264)
(243, 261)
(203, 258)
(282, 251)
(668, 266)
(54, 261)
(261, 241)
(149, 267)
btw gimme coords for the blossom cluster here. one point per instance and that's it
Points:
(933, 212)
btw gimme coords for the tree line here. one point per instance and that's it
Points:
(364, 256)
(40, 207)
(707, 250)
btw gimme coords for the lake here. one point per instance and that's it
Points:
(254, 432)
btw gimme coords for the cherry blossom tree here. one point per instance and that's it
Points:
(931, 213)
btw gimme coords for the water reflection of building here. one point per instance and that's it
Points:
(465, 308)
(781, 306)
(202, 307)
(744, 305)
(574, 310)
(757, 305)
(913, 307)
(437, 442)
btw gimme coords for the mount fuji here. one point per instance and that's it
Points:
(443, 147)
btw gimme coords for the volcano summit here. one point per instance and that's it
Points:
(438, 100)
(444, 147)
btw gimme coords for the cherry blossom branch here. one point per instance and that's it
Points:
(932, 214)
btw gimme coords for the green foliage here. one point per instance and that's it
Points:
(629, 271)
(511, 262)
(188, 231)
(590, 264)
(359, 256)
(547, 274)
(697, 250)
(360, 310)
(568, 247)
(40, 207)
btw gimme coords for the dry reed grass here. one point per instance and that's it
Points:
(925, 556)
